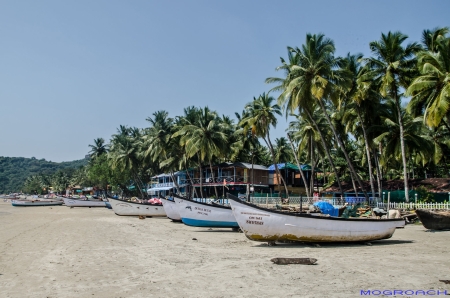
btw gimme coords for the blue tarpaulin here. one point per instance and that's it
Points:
(327, 208)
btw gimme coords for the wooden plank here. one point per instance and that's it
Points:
(287, 261)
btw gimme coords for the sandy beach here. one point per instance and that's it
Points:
(91, 252)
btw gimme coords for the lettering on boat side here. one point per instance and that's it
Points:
(255, 220)
(407, 293)
(202, 211)
(259, 214)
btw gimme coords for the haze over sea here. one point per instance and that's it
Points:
(73, 71)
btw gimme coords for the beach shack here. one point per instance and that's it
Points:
(235, 178)
(291, 175)
(164, 183)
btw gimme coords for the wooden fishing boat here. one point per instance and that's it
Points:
(71, 202)
(171, 209)
(122, 207)
(434, 220)
(200, 214)
(35, 203)
(262, 224)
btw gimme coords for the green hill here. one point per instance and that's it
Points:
(15, 170)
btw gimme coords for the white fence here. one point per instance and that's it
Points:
(338, 202)
(415, 206)
(295, 200)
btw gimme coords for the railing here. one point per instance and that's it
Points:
(167, 184)
(414, 205)
(337, 202)
(220, 179)
(222, 201)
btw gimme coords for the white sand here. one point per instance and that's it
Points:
(87, 252)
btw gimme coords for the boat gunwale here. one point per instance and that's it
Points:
(201, 203)
(359, 219)
(147, 204)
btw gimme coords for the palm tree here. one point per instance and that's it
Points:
(158, 136)
(308, 193)
(204, 137)
(415, 136)
(125, 154)
(431, 38)
(260, 117)
(282, 150)
(392, 68)
(430, 91)
(356, 94)
(317, 76)
(99, 148)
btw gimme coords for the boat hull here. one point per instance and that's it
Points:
(205, 215)
(135, 209)
(434, 220)
(83, 203)
(261, 224)
(170, 207)
(27, 203)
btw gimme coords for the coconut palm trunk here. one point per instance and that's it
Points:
(174, 179)
(379, 176)
(212, 174)
(369, 160)
(308, 192)
(327, 150)
(311, 181)
(341, 144)
(269, 144)
(138, 185)
(402, 145)
(201, 178)
(192, 182)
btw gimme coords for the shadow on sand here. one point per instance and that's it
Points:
(328, 245)
(217, 230)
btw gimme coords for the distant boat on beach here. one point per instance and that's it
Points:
(122, 207)
(262, 224)
(35, 203)
(200, 214)
(72, 202)
(171, 209)
(434, 220)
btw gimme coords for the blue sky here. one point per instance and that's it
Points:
(73, 71)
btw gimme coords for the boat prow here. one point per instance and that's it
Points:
(170, 207)
(198, 214)
(35, 203)
(121, 207)
(434, 220)
(262, 224)
(71, 202)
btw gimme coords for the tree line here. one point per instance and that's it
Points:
(350, 120)
(15, 171)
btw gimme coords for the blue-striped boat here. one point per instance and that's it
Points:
(198, 214)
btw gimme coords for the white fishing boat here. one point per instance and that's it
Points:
(171, 209)
(71, 202)
(262, 224)
(121, 207)
(200, 214)
(35, 203)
